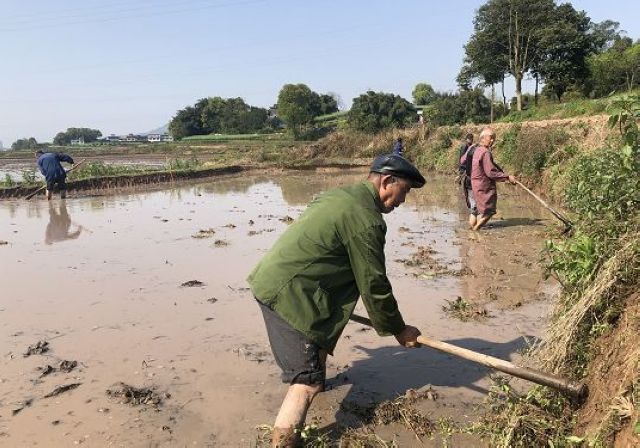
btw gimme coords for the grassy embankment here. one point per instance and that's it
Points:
(592, 336)
(547, 110)
(591, 169)
(593, 332)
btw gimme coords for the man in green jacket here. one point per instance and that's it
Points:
(308, 284)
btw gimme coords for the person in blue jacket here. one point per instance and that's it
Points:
(51, 168)
(398, 147)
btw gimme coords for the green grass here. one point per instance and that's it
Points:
(331, 119)
(100, 169)
(551, 110)
(7, 182)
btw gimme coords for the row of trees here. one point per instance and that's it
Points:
(61, 138)
(616, 69)
(216, 115)
(87, 134)
(557, 45)
(25, 143)
(554, 44)
(297, 105)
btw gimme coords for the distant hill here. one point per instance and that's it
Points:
(161, 130)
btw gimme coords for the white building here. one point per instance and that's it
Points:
(159, 138)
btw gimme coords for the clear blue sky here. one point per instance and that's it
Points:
(127, 66)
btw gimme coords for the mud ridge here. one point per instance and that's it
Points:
(129, 180)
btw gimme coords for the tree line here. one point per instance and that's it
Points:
(554, 44)
(559, 47)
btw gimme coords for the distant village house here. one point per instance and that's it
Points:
(136, 138)
(154, 138)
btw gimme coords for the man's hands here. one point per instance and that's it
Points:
(512, 179)
(408, 337)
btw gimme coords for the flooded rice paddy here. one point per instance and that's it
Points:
(101, 280)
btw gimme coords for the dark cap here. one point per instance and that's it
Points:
(398, 166)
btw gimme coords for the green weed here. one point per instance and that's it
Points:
(463, 310)
(183, 164)
(8, 181)
(100, 169)
(29, 177)
(507, 146)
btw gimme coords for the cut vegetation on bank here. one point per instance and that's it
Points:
(593, 334)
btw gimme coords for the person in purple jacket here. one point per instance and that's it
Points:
(51, 168)
(484, 175)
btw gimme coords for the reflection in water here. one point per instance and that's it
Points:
(59, 227)
(302, 188)
(239, 184)
(297, 188)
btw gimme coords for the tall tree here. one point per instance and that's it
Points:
(25, 143)
(185, 123)
(616, 69)
(508, 32)
(484, 62)
(374, 111)
(328, 104)
(89, 135)
(423, 94)
(565, 44)
(298, 105)
(604, 34)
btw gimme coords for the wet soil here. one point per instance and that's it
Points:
(99, 277)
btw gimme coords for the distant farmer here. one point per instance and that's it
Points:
(483, 173)
(468, 143)
(308, 284)
(398, 147)
(53, 172)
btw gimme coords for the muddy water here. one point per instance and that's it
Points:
(100, 279)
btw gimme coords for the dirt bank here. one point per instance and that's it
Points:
(127, 181)
(611, 412)
(530, 150)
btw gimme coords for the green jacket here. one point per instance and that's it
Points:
(334, 252)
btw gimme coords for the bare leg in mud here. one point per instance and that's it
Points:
(472, 221)
(292, 415)
(482, 220)
(293, 412)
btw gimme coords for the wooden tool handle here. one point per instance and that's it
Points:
(577, 390)
(564, 220)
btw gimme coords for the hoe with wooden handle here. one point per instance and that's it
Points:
(574, 389)
(565, 221)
